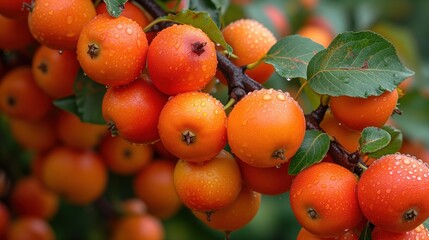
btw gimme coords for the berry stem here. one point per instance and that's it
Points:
(336, 151)
(239, 84)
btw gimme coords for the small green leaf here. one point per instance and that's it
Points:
(67, 104)
(313, 149)
(115, 7)
(357, 64)
(89, 96)
(394, 144)
(201, 20)
(373, 139)
(290, 56)
(366, 233)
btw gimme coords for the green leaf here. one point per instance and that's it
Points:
(357, 64)
(89, 96)
(290, 56)
(313, 149)
(115, 7)
(215, 8)
(67, 104)
(202, 21)
(373, 139)
(366, 233)
(394, 144)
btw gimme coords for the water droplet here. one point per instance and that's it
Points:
(281, 97)
(129, 31)
(116, 35)
(266, 97)
(346, 80)
(278, 166)
(119, 26)
(395, 75)
(288, 79)
(203, 104)
(388, 190)
(407, 161)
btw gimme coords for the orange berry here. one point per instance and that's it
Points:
(210, 185)
(419, 233)
(181, 58)
(124, 158)
(393, 193)
(75, 133)
(112, 51)
(359, 113)
(131, 11)
(317, 34)
(138, 227)
(323, 199)
(58, 24)
(77, 175)
(132, 111)
(14, 33)
(55, 71)
(21, 97)
(266, 128)
(251, 42)
(192, 126)
(154, 184)
(234, 216)
(346, 137)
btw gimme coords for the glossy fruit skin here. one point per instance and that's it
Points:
(420, 232)
(207, 186)
(181, 58)
(21, 97)
(36, 136)
(55, 72)
(63, 164)
(74, 133)
(250, 41)
(123, 157)
(268, 181)
(58, 25)
(14, 33)
(306, 235)
(359, 113)
(392, 186)
(138, 227)
(346, 137)
(30, 228)
(131, 11)
(12, 9)
(134, 110)
(234, 216)
(266, 128)
(31, 198)
(120, 48)
(154, 185)
(192, 126)
(330, 191)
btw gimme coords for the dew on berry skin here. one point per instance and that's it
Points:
(266, 97)
(398, 157)
(278, 166)
(281, 97)
(407, 161)
(129, 31)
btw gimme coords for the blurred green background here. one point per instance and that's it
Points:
(403, 22)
